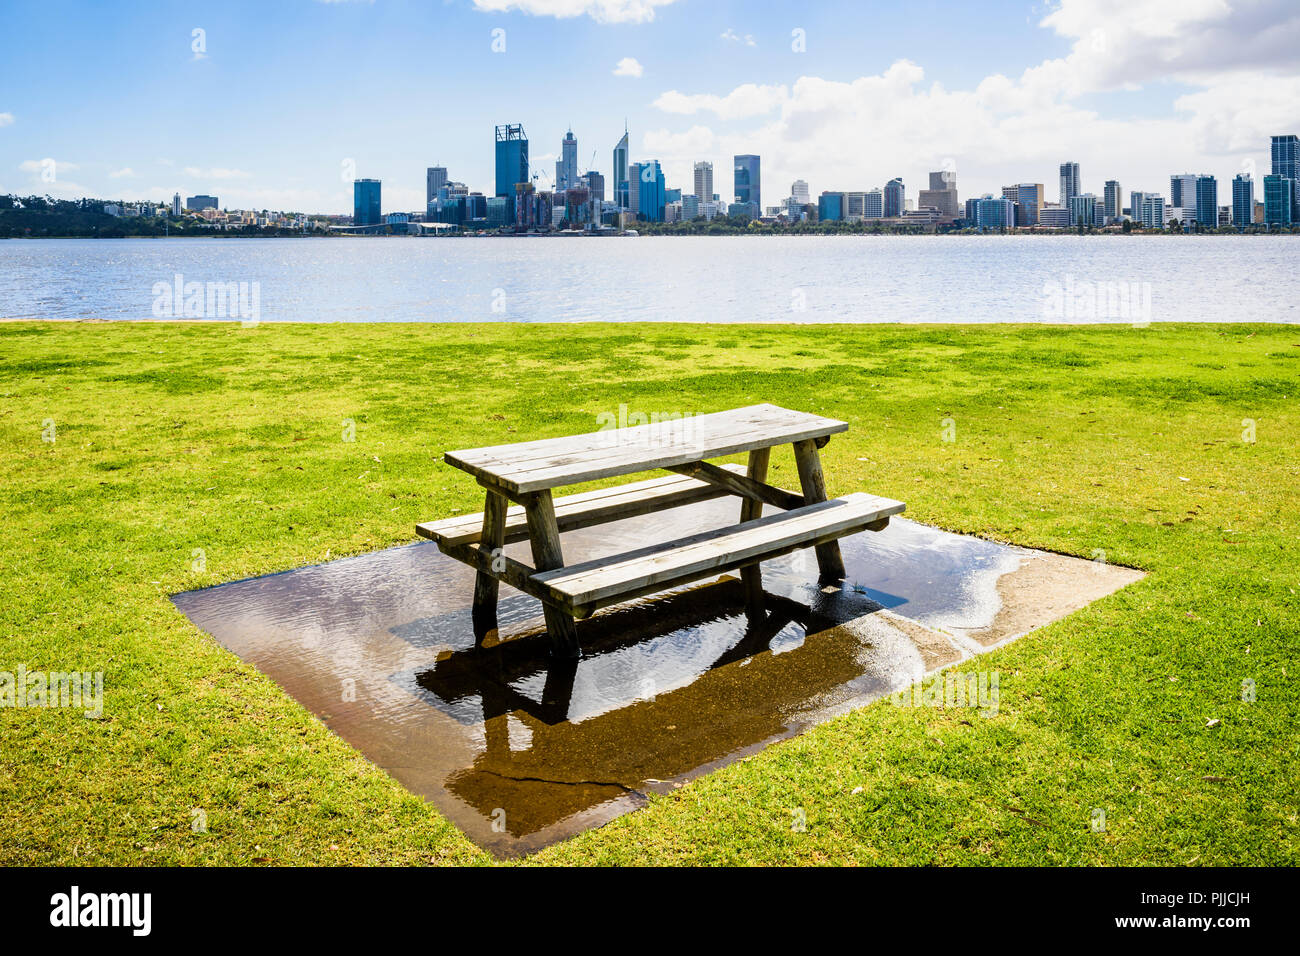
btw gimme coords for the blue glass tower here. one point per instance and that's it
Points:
(748, 183)
(651, 193)
(1207, 201)
(512, 163)
(1279, 201)
(830, 207)
(1243, 200)
(366, 206)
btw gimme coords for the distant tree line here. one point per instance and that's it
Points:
(49, 218)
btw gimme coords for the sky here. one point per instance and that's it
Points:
(279, 105)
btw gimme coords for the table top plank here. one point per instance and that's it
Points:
(553, 462)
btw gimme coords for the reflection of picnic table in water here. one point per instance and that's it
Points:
(663, 689)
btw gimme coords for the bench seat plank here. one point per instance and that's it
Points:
(554, 462)
(594, 584)
(573, 512)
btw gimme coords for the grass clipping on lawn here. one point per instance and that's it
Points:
(174, 441)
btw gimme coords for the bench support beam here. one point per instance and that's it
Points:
(751, 576)
(746, 486)
(486, 586)
(813, 484)
(544, 535)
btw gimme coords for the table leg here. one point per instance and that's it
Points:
(752, 576)
(813, 484)
(544, 535)
(486, 587)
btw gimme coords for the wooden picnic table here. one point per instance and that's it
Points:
(527, 473)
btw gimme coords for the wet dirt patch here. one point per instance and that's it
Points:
(521, 751)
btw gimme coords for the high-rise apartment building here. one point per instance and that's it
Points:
(1113, 199)
(895, 200)
(1069, 183)
(1243, 200)
(1207, 201)
(704, 180)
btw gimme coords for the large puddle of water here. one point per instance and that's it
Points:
(521, 751)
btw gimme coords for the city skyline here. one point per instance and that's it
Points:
(691, 81)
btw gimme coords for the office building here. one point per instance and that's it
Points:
(511, 165)
(1279, 201)
(595, 182)
(799, 192)
(566, 167)
(1053, 217)
(830, 207)
(748, 182)
(1113, 201)
(704, 180)
(435, 178)
(646, 186)
(1028, 198)
(1207, 201)
(200, 203)
(620, 183)
(1069, 183)
(1243, 200)
(690, 207)
(895, 201)
(366, 205)
(1182, 190)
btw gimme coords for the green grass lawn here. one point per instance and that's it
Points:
(172, 437)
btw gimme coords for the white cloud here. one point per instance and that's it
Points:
(744, 101)
(734, 37)
(40, 165)
(216, 172)
(628, 66)
(1234, 69)
(602, 11)
(6, 119)
(124, 172)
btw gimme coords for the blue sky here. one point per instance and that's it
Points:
(285, 100)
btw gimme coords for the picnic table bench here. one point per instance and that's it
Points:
(526, 474)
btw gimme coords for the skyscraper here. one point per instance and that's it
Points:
(646, 184)
(704, 180)
(942, 195)
(895, 200)
(596, 183)
(1243, 200)
(566, 167)
(799, 192)
(1069, 182)
(1279, 200)
(748, 183)
(1207, 201)
(620, 184)
(367, 210)
(1182, 191)
(435, 178)
(1114, 200)
(511, 163)
(1286, 163)
(176, 204)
